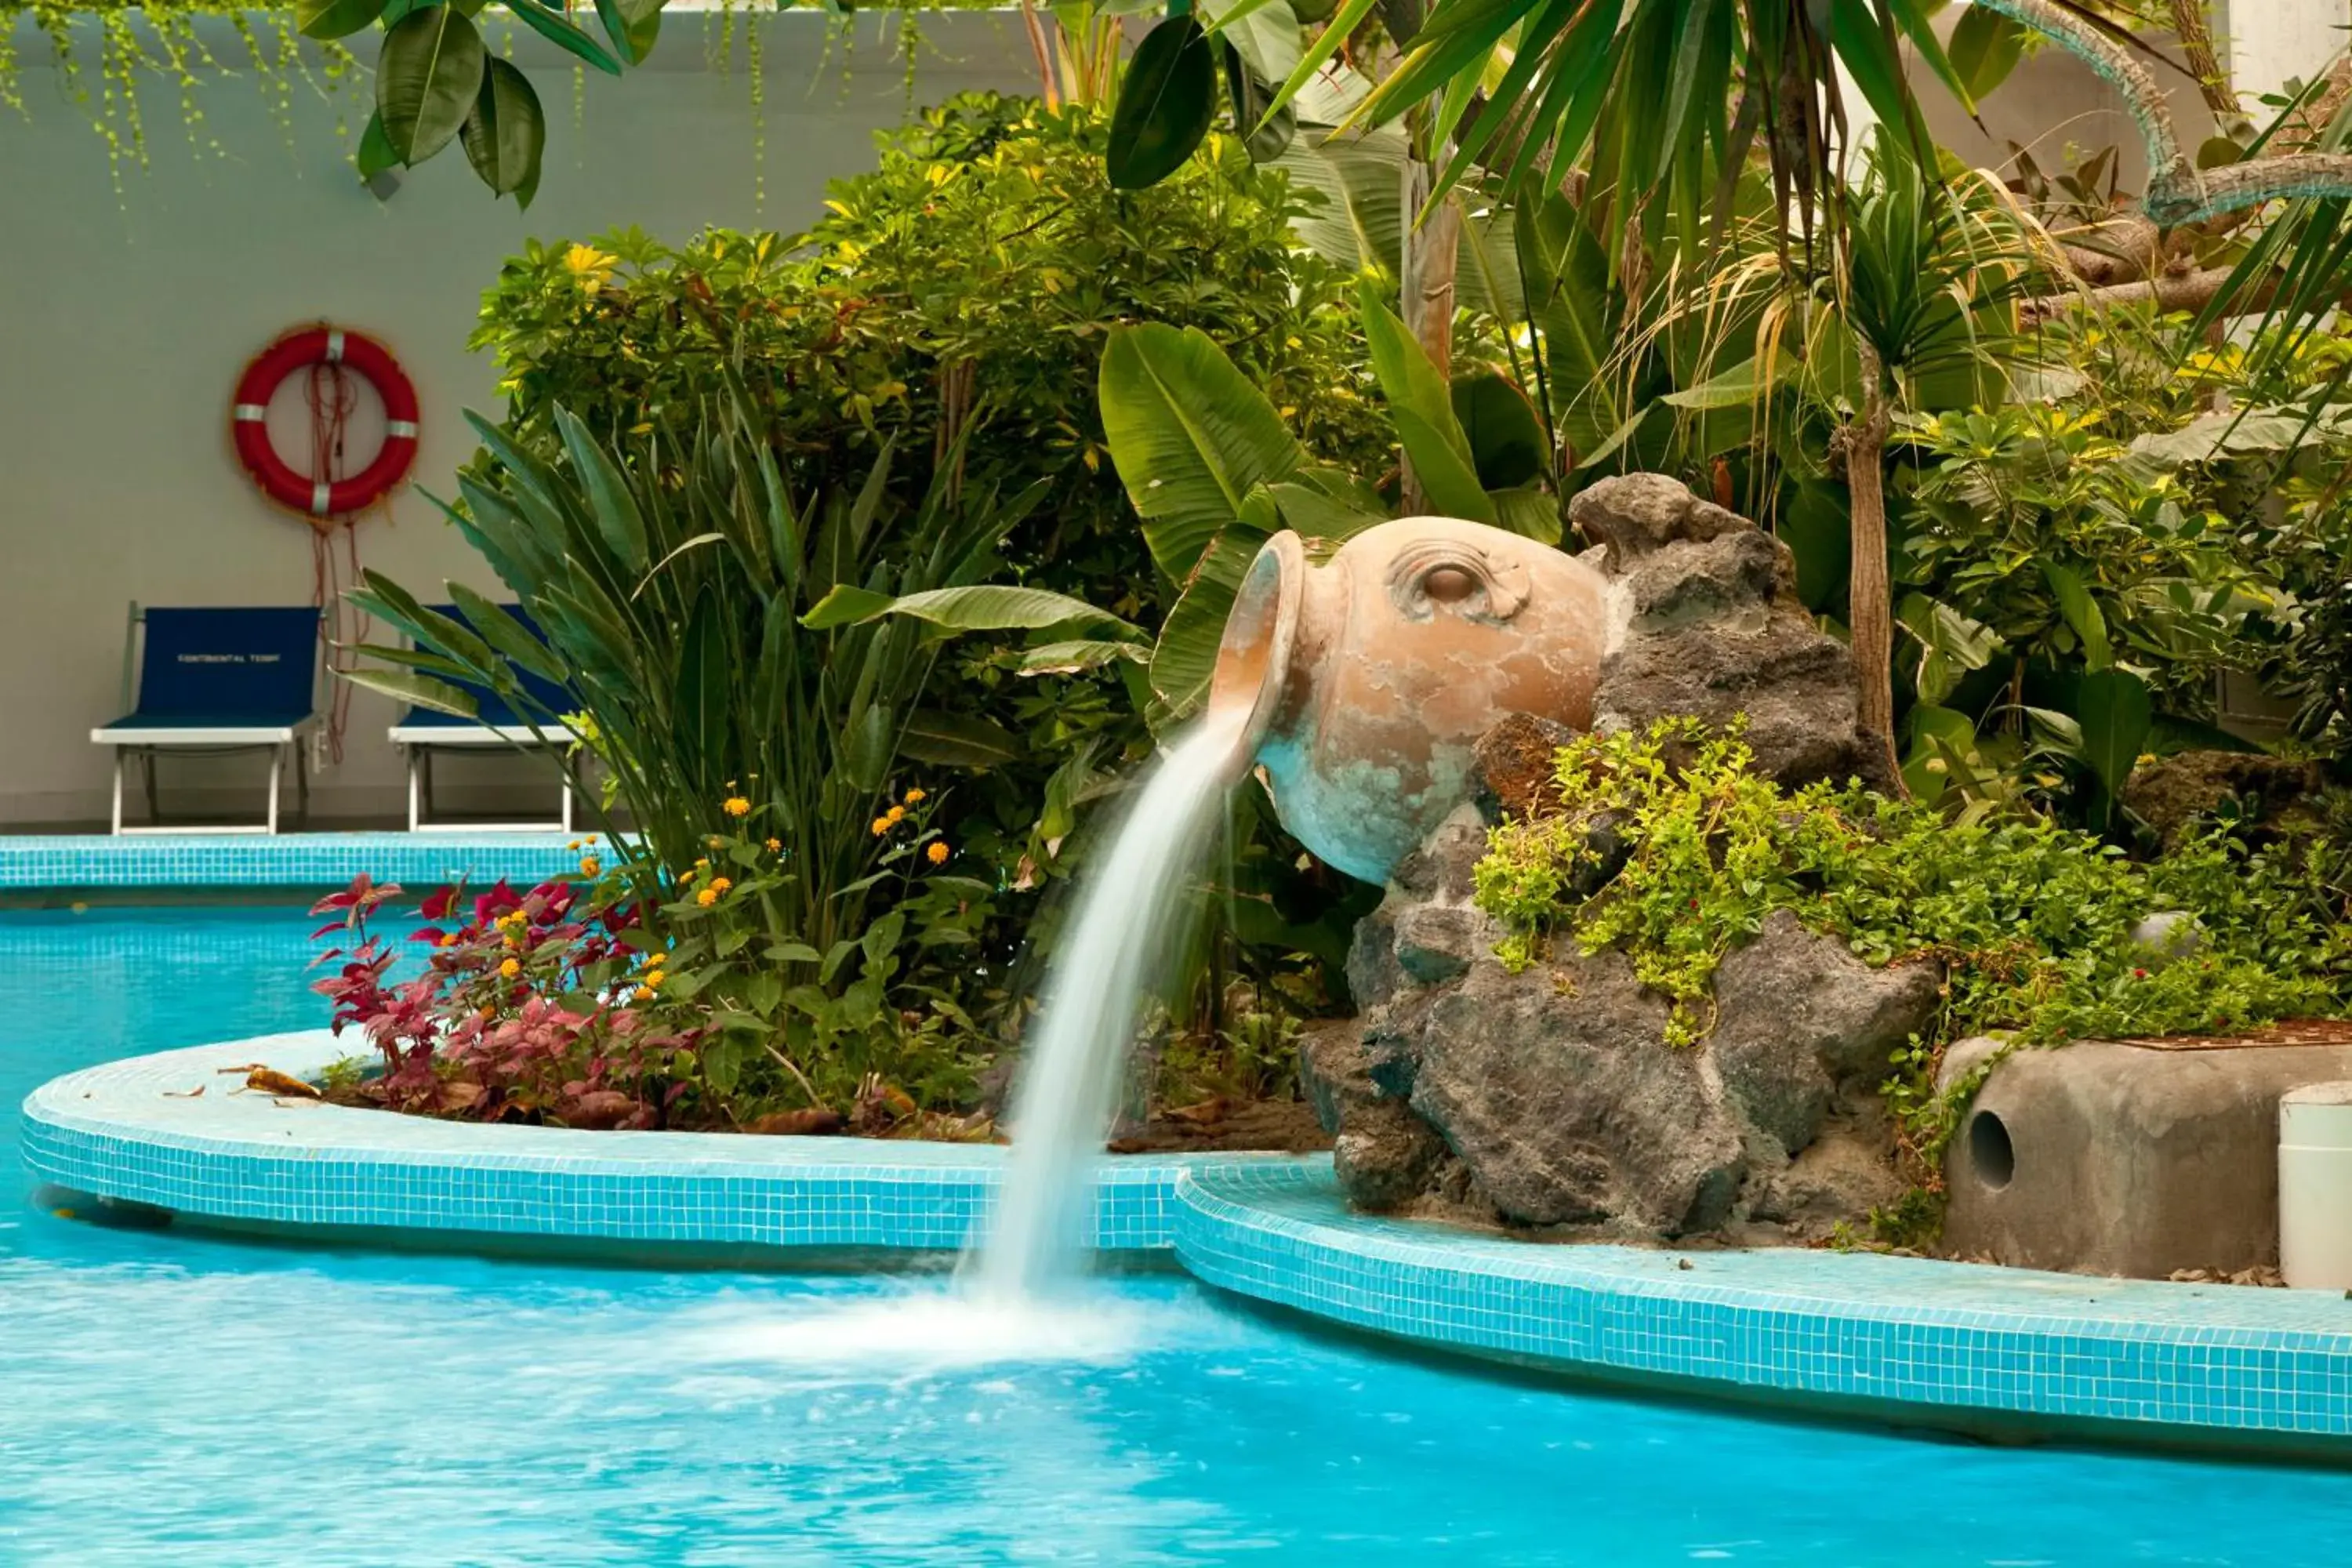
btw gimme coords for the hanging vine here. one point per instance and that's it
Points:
(160, 40)
(424, 42)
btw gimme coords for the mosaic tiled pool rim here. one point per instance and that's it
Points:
(42, 862)
(1963, 1345)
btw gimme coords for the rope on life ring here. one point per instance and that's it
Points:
(322, 498)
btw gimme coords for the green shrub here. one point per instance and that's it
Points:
(674, 582)
(964, 289)
(968, 281)
(2031, 920)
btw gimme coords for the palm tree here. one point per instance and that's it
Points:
(1655, 104)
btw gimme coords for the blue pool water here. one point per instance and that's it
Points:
(170, 1398)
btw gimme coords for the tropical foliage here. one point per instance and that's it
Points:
(968, 283)
(672, 580)
(2033, 922)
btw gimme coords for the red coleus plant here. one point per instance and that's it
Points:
(529, 1010)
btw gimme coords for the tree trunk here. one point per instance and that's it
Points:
(1426, 274)
(1870, 597)
(2196, 35)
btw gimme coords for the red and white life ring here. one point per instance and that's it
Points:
(319, 498)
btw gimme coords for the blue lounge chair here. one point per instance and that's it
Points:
(211, 681)
(421, 732)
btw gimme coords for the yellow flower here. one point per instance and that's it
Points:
(644, 993)
(511, 968)
(914, 797)
(591, 866)
(589, 266)
(738, 806)
(938, 853)
(881, 825)
(714, 841)
(775, 845)
(719, 884)
(708, 896)
(449, 938)
(897, 814)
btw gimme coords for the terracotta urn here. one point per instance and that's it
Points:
(1361, 685)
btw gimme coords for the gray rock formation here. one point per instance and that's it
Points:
(1550, 1098)
(1553, 1095)
(2172, 795)
(1708, 625)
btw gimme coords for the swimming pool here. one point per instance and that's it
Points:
(174, 1397)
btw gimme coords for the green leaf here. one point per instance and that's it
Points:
(1186, 657)
(334, 18)
(1870, 59)
(1818, 530)
(498, 628)
(1951, 644)
(505, 133)
(375, 154)
(427, 77)
(1359, 222)
(1072, 658)
(1250, 96)
(1506, 441)
(881, 937)
(1986, 46)
(1424, 411)
(722, 1060)
(698, 705)
(1326, 44)
(618, 520)
(981, 608)
(793, 952)
(2080, 612)
(421, 690)
(1265, 32)
(1189, 435)
(1528, 511)
(763, 991)
(632, 25)
(1741, 386)
(2113, 708)
(553, 25)
(1166, 102)
(957, 741)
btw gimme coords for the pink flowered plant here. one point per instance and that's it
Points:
(521, 1011)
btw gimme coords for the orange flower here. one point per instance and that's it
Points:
(708, 896)
(775, 845)
(914, 797)
(881, 825)
(938, 852)
(738, 806)
(897, 814)
(719, 884)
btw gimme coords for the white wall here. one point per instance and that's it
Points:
(124, 322)
(2268, 43)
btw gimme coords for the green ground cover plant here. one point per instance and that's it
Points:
(1670, 849)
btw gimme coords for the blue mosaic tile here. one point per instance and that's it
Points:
(1910, 1330)
(285, 861)
(134, 1130)
(1274, 1227)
